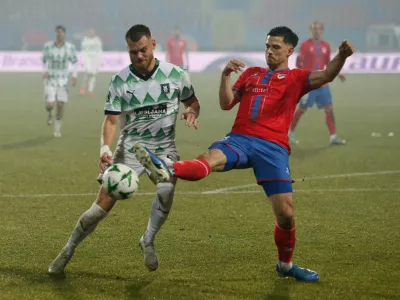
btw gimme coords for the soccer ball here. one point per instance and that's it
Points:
(120, 182)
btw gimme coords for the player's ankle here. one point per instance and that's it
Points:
(285, 267)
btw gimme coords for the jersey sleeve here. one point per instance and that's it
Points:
(113, 105)
(302, 81)
(240, 82)
(186, 91)
(46, 52)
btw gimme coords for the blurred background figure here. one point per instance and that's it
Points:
(315, 54)
(177, 50)
(92, 48)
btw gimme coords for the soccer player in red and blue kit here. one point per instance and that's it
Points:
(267, 99)
(315, 54)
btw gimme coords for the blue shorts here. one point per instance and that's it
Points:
(321, 97)
(270, 161)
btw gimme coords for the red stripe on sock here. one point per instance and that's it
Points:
(285, 241)
(192, 170)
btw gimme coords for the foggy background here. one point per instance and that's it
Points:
(223, 25)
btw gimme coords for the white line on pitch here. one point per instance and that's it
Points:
(259, 191)
(232, 188)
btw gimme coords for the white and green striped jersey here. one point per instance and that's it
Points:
(91, 46)
(56, 60)
(148, 106)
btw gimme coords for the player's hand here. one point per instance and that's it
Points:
(342, 77)
(233, 66)
(191, 119)
(73, 81)
(346, 49)
(45, 75)
(105, 159)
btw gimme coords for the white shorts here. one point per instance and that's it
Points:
(91, 66)
(123, 156)
(55, 93)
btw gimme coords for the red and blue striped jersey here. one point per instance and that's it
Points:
(268, 100)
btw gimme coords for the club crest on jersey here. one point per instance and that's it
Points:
(323, 49)
(165, 89)
(281, 76)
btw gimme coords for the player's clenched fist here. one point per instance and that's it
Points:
(346, 49)
(233, 66)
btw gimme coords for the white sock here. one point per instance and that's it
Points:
(160, 208)
(285, 267)
(333, 136)
(85, 225)
(92, 82)
(57, 125)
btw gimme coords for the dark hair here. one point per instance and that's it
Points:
(60, 27)
(136, 32)
(289, 37)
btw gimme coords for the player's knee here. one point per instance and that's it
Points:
(104, 200)
(215, 158)
(328, 108)
(165, 194)
(283, 209)
(60, 110)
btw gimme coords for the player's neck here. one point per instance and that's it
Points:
(60, 44)
(316, 40)
(277, 68)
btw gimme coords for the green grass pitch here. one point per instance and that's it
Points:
(214, 245)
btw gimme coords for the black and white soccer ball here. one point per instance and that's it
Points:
(120, 182)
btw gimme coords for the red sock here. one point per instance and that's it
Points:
(285, 241)
(296, 117)
(330, 121)
(192, 170)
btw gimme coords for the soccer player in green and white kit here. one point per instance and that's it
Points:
(145, 98)
(56, 58)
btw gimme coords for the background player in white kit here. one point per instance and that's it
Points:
(145, 97)
(92, 49)
(56, 58)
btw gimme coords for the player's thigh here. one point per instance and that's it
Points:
(62, 94)
(271, 167)
(324, 97)
(122, 155)
(308, 99)
(50, 94)
(233, 153)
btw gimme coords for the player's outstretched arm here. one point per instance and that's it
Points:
(109, 131)
(228, 98)
(319, 78)
(192, 112)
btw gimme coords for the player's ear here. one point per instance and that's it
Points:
(290, 51)
(154, 44)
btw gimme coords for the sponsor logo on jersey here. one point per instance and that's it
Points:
(154, 111)
(165, 88)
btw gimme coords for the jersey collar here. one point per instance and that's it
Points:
(148, 75)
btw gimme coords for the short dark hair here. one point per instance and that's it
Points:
(289, 37)
(60, 27)
(136, 32)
